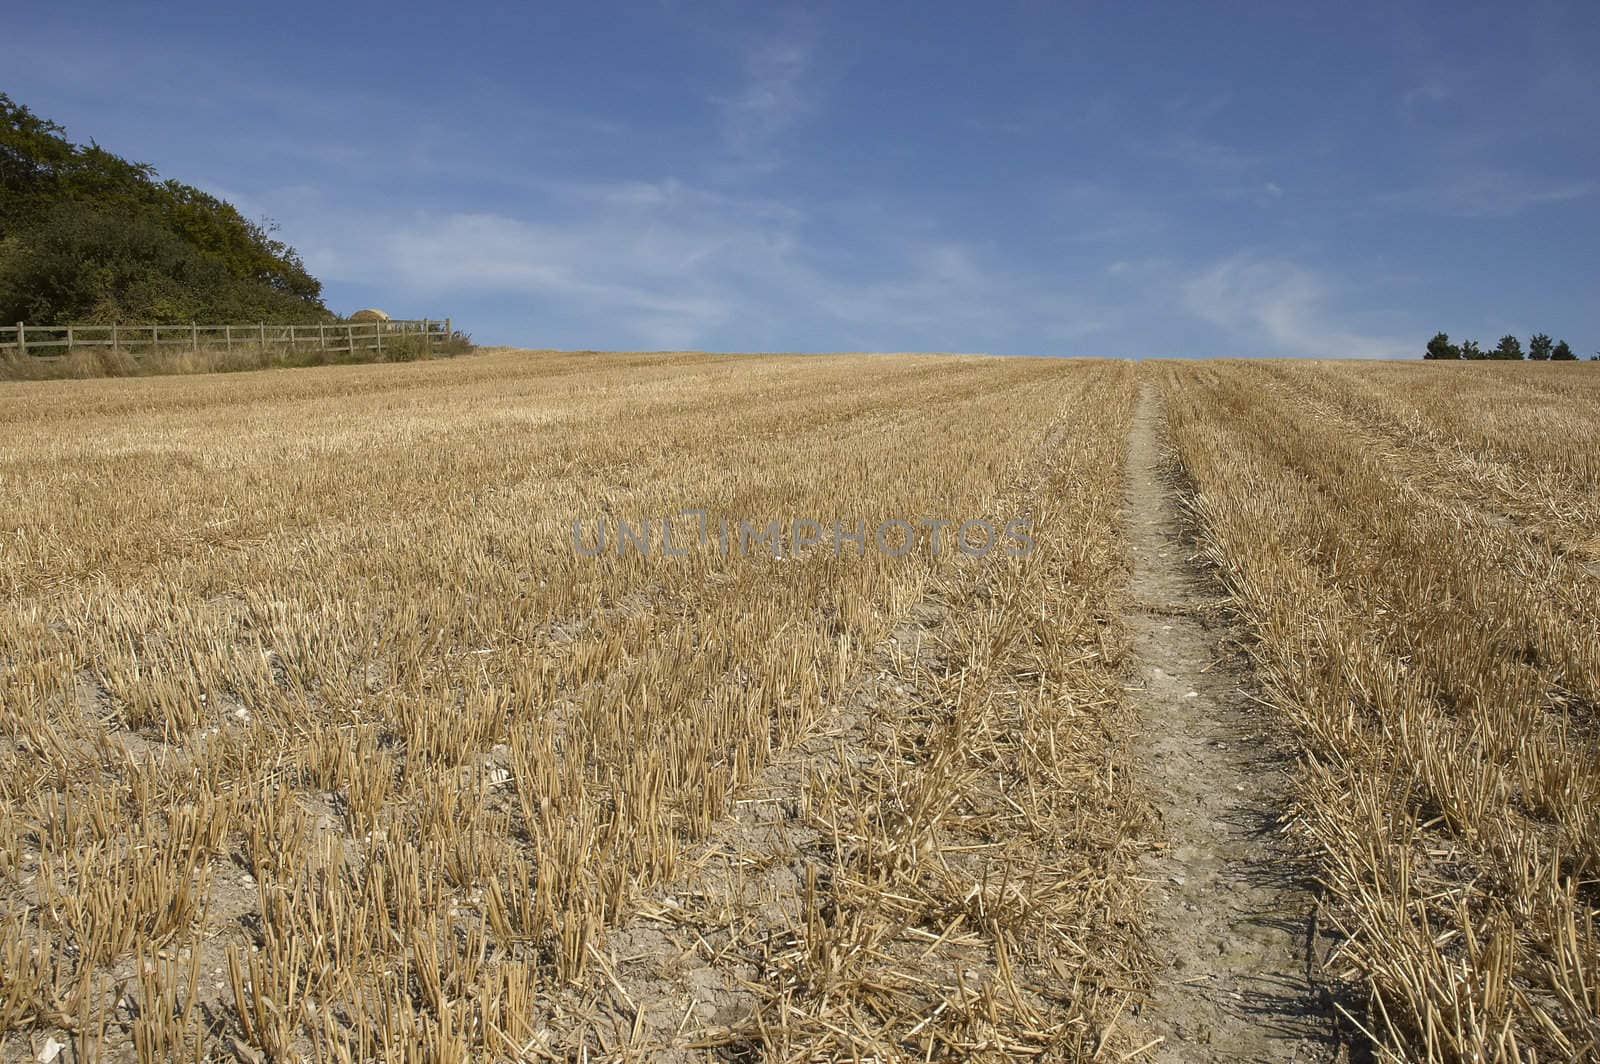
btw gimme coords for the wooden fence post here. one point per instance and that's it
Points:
(69, 339)
(22, 338)
(447, 332)
(322, 337)
(227, 336)
(194, 336)
(114, 346)
(377, 331)
(155, 338)
(263, 337)
(427, 341)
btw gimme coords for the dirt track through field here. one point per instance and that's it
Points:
(1233, 918)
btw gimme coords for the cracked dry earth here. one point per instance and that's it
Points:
(1235, 929)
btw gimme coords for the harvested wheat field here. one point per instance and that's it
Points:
(1414, 555)
(357, 713)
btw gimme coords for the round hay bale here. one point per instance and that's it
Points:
(369, 314)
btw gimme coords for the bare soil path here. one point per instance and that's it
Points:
(1233, 921)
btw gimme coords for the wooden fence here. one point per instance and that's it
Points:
(348, 337)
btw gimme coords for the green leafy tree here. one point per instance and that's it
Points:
(32, 151)
(86, 235)
(1440, 347)
(103, 266)
(1509, 349)
(1539, 347)
(1471, 351)
(1562, 353)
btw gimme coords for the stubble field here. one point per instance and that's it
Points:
(321, 737)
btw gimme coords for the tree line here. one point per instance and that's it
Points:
(1540, 349)
(88, 236)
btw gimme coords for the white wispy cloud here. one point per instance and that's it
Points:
(1275, 307)
(667, 265)
(1492, 194)
(773, 96)
(1417, 98)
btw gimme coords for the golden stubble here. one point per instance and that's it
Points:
(319, 739)
(1413, 551)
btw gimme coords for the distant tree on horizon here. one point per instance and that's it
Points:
(1541, 348)
(1440, 348)
(1509, 349)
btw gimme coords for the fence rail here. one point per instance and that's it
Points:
(343, 336)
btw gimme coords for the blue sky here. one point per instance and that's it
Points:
(1128, 179)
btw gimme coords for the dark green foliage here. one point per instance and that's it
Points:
(87, 236)
(1540, 348)
(1508, 349)
(1440, 347)
(79, 264)
(31, 149)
